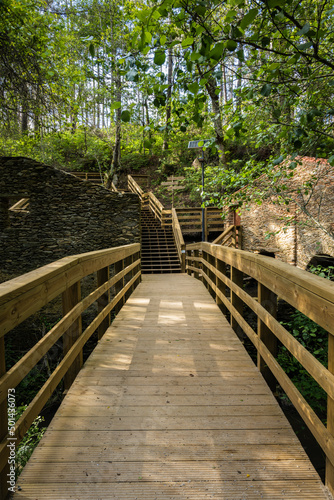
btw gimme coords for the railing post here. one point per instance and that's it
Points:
(330, 416)
(237, 278)
(196, 264)
(70, 298)
(183, 258)
(206, 229)
(268, 300)
(3, 424)
(102, 302)
(119, 266)
(220, 266)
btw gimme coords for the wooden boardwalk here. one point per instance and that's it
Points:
(169, 406)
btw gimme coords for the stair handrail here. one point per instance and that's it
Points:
(148, 199)
(231, 237)
(25, 295)
(179, 241)
(21, 205)
(222, 270)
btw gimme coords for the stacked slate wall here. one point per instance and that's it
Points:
(65, 216)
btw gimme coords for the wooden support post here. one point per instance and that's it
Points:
(119, 266)
(183, 258)
(220, 266)
(268, 300)
(330, 416)
(206, 229)
(240, 238)
(237, 278)
(70, 298)
(3, 425)
(196, 264)
(103, 301)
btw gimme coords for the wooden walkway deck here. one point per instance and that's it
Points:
(169, 406)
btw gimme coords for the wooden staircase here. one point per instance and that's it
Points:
(159, 252)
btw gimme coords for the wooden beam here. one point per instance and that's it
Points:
(70, 298)
(268, 300)
(103, 300)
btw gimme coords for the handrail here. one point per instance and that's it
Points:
(179, 241)
(21, 205)
(23, 296)
(149, 200)
(231, 237)
(310, 294)
(87, 176)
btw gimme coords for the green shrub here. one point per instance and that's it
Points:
(29, 442)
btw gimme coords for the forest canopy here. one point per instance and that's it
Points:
(255, 77)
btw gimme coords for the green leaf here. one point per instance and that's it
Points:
(125, 116)
(266, 89)
(159, 57)
(147, 37)
(331, 160)
(248, 18)
(193, 87)
(231, 45)
(92, 50)
(278, 160)
(163, 40)
(241, 55)
(304, 46)
(147, 144)
(195, 56)
(217, 51)
(115, 105)
(305, 29)
(187, 42)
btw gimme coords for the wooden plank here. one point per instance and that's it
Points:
(175, 453)
(195, 490)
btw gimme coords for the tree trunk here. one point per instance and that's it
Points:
(211, 88)
(169, 97)
(116, 161)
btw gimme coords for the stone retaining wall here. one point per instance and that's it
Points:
(65, 216)
(302, 239)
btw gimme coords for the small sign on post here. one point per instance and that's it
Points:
(172, 185)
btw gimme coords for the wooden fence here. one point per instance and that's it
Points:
(310, 294)
(117, 270)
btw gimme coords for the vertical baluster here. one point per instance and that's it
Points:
(103, 301)
(220, 266)
(70, 298)
(3, 424)
(237, 278)
(330, 416)
(119, 266)
(268, 300)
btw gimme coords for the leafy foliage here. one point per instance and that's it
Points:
(29, 442)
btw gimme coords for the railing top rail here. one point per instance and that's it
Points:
(26, 294)
(310, 294)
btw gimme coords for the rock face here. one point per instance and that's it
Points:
(64, 216)
(298, 242)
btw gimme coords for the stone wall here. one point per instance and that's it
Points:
(302, 239)
(65, 216)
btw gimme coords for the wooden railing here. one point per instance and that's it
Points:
(179, 241)
(191, 220)
(310, 294)
(231, 237)
(21, 205)
(148, 200)
(94, 177)
(27, 294)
